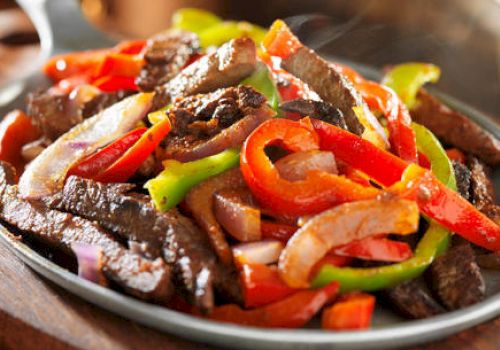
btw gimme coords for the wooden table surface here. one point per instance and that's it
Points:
(36, 314)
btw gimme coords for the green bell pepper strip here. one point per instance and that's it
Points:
(171, 186)
(433, 243)
(407, 78)
(212, 30)
(261, 81)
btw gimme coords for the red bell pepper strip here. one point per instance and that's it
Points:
(66, 85)
(292, 312)
(111, 83)
(330, 259)
(122, 169)
(434, 199)
(376, 248)
(91, 166)
(132, 47)
(456, 155)
(423, 161)
(279, 231)
(118, 64)
(401, 134)
(262, 285)
(16, 130)
(352, 311)
(316, 193)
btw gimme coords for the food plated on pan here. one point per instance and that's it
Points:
(230, 172)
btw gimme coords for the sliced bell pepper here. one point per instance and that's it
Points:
(376, 248)
(75, 63)
(16, 130)
(222, 32)
(279, 231)
(316, 193)
(123, 168)
(330, 259)
(118, 64)
(262, 285)
(91, 166)
(292, 312)
(352, 311)
(132, 47)
(194, 20)
(111, 83)
(261, 81)
(170, 187)
(407, 78)
(66, 85)
(456, 155)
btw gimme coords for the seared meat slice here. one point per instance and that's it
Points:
(455, 129)
(165, 55)
(316, 109)
(463, 177)
(489, 260)
(203, 125)
(103, 101)
(230, 64)
(330, 85)
(55, 114)
(413, 301)
(456, 278)
(482, 190)
(138, 276)
(171, 234)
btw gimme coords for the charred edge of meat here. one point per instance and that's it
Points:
(198, 118)
(463, 177)
(456, 278)
(165, 55)
(143, 278)
(413, 301)
(316, 109)
(230, 64)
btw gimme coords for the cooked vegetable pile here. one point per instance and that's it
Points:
(230, 172)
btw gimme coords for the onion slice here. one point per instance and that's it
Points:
(235, 212)
(263, 252)
(45, 175)
(295, 166)
(89, 262)
(339, 226)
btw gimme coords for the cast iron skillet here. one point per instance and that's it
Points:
(388, 331)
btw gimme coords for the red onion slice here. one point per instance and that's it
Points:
(263, 252)
(89, 262)
(295, 166)
(236, 215)
(45, 175)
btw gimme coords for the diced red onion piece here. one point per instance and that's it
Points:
(234, 213)
(89, 262)
(263, 252)
(295, 166)
(45, 175)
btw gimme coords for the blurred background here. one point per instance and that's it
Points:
(461, 36)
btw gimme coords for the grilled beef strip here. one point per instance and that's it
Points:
(413, 301)
(206, 124)
(482, 191)
(165, 55)
(456, 277)
(144, 278)
(455, 129)
(227, 66)
(55, 114)
(329, 84)
(170, 234)
(316, 109)
(463, 177)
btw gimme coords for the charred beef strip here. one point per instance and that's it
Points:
(413, 301)
(329, 84)
(455, 129)
(138, 276)
(227, 66)
(316, 109)
(203, 125)
(55, 114)
(482, 191)
(175, 236)
(489, 260)
(456, 278)
(165, 55)
(463, 177)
